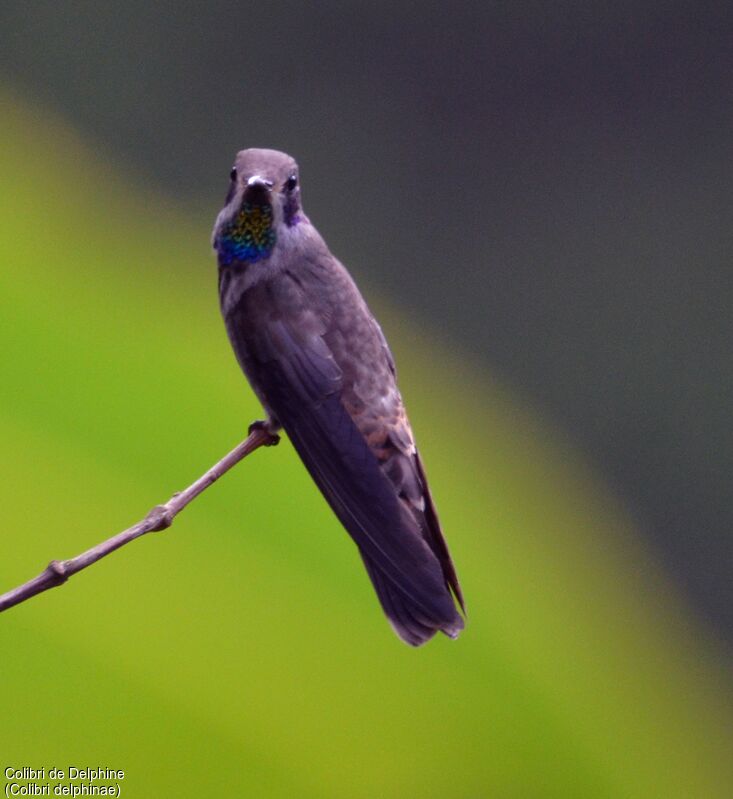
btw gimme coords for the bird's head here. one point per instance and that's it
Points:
(263, 201)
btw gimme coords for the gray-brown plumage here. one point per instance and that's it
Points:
(319, 363)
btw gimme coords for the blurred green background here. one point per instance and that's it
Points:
(531, 285)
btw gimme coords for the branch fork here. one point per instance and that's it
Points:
(158, 518)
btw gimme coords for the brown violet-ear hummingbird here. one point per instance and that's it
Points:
(319, 363)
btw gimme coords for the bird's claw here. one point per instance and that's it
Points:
(262, 426)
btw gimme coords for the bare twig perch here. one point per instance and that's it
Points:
(159, 518)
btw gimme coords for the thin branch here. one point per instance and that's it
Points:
(159, 518)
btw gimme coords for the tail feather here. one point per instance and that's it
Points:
(407, 620)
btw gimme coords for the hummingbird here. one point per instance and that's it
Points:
(319, 363)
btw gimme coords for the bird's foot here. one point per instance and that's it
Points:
(268, 428)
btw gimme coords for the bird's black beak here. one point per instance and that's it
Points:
(258, 191)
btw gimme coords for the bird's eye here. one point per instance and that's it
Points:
(291, 182)
(233, 173)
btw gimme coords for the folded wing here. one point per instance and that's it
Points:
(302, 383)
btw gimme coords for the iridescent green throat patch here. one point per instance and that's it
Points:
(250, 235)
